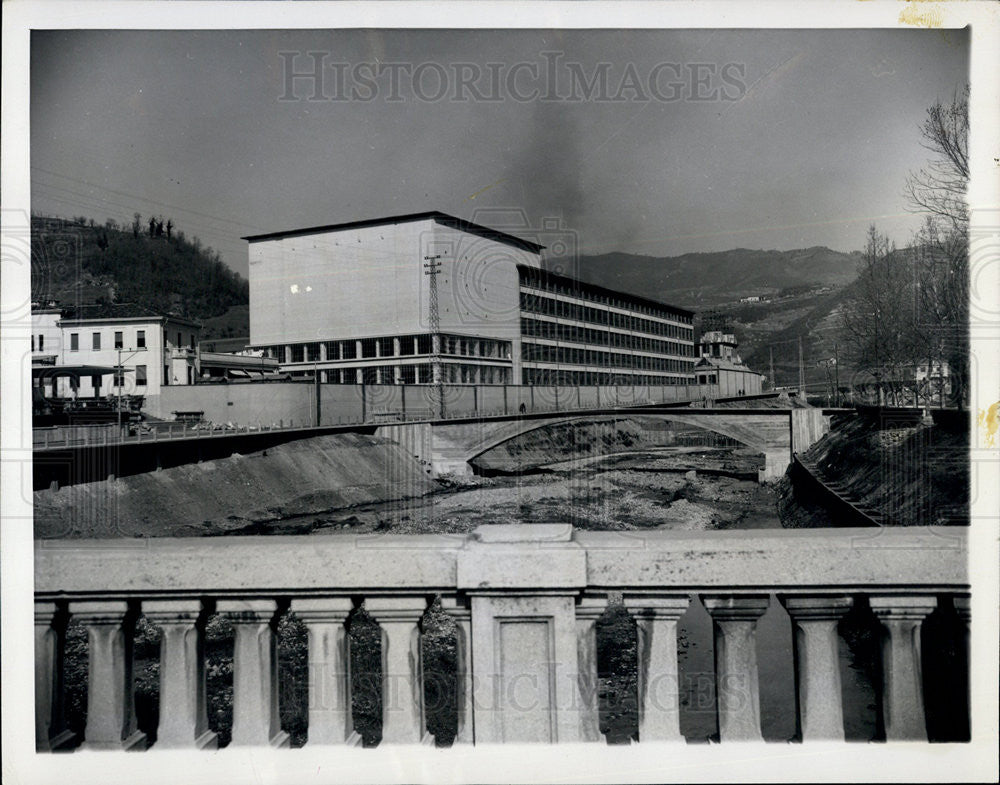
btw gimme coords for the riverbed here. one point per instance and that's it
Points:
(684, 488)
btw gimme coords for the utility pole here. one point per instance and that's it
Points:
(118, 397)
(432, 267)
(774, 382)
(836, 369)
(802, 373)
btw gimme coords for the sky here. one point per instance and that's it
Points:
(648, 142)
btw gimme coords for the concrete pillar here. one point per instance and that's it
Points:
(902, 689)
(462, 615)
(588, 610)
(329, 672)
(402, 713)
(525, 642)
(111, 721)
(775, 465)
(255, 673)
(659, 677)
(183, 710)
(817, 669)
(737, 691)
(963, 607)
(50, 635)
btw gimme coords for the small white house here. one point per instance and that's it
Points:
(151, 351)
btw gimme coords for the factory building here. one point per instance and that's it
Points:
(428, 297)
(720, 364)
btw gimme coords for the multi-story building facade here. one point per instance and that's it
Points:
(428, 297)
(577, 333)
(150, 350)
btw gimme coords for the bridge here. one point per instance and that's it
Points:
(447, 445)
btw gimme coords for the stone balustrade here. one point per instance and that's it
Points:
(525, 600)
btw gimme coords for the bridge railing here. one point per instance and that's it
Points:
(376, 404)
(525, 600)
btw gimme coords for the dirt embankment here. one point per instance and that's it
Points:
(248, 494)
(914, 474)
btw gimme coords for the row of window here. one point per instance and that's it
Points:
(452, 373)
(96, 341)
(537, 279)
(571, 355)
(556, 331)
(563, 377)
(395, 346)
(118, 341)
(534, 303)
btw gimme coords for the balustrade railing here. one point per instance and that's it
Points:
(525, 601)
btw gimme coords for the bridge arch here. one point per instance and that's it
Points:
(752, 438)
(774, 432)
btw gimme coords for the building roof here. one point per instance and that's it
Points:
(435, 215)
(601, 290)
(725, 365)
(109, 312)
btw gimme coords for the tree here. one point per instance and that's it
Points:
(879, 318)
(940, 188)
(941, 247)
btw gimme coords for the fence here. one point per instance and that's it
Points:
(525, 599)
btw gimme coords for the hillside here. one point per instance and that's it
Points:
(702, 280)
(75, 262)
(78, 261)
(802, 291)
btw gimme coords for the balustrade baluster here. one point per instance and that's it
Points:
(902, 690)
(817, 668)
(50, 636)
(402, 717)
(737, 692)
(330, 719)
(462, 615)
(111, 720)
(255, 672)
(183, 711)
(589, 609)
(656, 617)
(963, 607)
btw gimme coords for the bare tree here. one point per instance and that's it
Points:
(941, 247)
(879, 318)
(940, 187)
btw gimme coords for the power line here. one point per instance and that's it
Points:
(147, 199)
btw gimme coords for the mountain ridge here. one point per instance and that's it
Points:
(708, 278)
